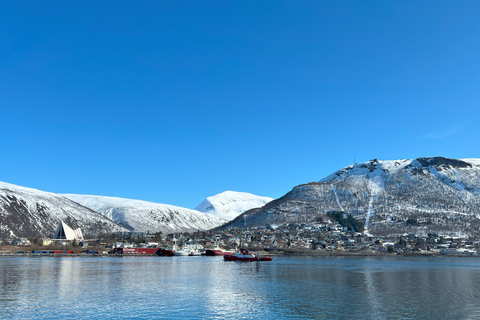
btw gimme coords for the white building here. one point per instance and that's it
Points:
(67, 233)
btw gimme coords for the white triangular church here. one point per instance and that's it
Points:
(66, 233)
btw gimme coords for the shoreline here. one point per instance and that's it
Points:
(319, 253)
(99, 251)
(293, 253)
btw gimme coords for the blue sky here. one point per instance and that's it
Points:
(176, 101)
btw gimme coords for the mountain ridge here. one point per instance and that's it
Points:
(438, 194)
(28, 212)
(139, 215)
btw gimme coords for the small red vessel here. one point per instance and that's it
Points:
(168, 252)
(136, 251)
(217, 251)
(245, 255)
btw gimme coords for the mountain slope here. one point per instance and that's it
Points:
(230, 204)
(424, 195)
(137, 215)
(26, 212)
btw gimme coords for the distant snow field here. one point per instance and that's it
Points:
(230, 204)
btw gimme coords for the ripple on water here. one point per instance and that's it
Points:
(210, 288)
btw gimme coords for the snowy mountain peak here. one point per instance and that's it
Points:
(230, 204)
(377, 168)
(138, 215)
(370, 168)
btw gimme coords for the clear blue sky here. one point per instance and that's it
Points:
(175, 101)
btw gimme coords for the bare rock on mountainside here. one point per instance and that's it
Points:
(425, 195)
(26, 212)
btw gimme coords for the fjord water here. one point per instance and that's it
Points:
(210, 288)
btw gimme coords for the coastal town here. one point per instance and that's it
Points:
(288, 239)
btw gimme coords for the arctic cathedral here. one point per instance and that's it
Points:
(64, 232)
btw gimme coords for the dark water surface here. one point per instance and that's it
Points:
(210, 288)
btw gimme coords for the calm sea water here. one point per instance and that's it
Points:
(210, 288)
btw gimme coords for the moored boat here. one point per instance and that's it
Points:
(217, 251)
(135, 251)
(190, 248)
(245, 255)
(169, 251)
(181, 252)
(194, 248)
(195, 253)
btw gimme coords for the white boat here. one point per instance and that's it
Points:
(181, 252)
(190, 249)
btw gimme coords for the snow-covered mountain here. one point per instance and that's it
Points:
(230, 204)
(26, 212)
(137, 215)
(424, 195)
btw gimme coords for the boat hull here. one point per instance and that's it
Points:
(266, 258)
(213, 252)
(167, 253)
(136, 251)
(234, 258)
(180, 253)
(229, 257)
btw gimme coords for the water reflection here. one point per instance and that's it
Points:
(209, 288)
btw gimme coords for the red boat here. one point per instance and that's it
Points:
(167, 252)
(217, 251)
(245, 255)
(145, 251)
